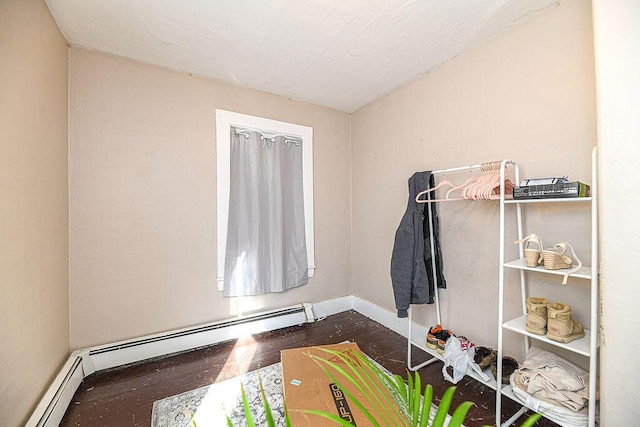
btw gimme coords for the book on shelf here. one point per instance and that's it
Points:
(552, 191)
(540, 181)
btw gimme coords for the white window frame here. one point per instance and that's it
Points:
(224, 121)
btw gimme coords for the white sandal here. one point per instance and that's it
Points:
(533, 257)
(555, 259)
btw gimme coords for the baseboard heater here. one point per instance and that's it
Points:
(82, 363)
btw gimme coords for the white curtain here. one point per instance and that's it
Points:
(266, 248)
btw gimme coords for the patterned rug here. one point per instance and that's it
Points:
(208, 404)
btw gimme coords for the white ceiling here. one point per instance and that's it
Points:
(338, 53)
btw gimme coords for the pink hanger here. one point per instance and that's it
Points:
(469, 181)
(471, 191)
(484, 192)
(508, 190)
(419, 200)
(485, 187)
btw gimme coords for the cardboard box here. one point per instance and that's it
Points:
(306, 386)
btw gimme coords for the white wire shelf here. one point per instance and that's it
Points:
(552, 200)
(520, 264)
(490, 383)
(581, 346)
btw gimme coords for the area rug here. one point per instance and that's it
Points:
(209, 404)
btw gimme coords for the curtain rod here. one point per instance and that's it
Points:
(266, 134)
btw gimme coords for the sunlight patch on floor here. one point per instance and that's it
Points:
(240, 357)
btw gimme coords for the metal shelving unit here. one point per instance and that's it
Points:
(586, 346)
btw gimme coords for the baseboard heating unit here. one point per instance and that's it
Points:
(82, 363)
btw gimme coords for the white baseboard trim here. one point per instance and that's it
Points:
(55, 401)
(149, 347)
(82, 363)
(388, 318)
(333, 306)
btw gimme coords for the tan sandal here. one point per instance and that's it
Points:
(555, 259)
(533, 257)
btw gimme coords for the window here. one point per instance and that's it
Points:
(225, 121)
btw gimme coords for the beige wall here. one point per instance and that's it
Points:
(618, 67)
(142, 210)
(526, 95)
(34, 316)
(143, 191)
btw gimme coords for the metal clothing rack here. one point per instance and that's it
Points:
(430, 195)
(586, 347)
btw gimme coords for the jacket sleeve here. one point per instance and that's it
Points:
(402, 260)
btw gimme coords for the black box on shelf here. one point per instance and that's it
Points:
(552, 191)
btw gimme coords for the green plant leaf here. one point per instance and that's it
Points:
(374, 381)
(189, 415)
(321, 363)
(404, 392)
(531, 420)
(460, 414)
(377, 396)
(329, 416)
(415, 403)
(245, 404)
(443, 407)
(389, 390)
(364, 373)
(393, 384)
(229, 423)
(410, 392)
(426, 405)
(265, 403)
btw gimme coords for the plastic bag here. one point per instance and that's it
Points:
(459, 355)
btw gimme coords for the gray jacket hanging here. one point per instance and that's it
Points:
(411, 266)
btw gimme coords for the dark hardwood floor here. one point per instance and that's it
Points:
(125, 396)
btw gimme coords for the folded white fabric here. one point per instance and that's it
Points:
(558, 414)
(549, 377)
